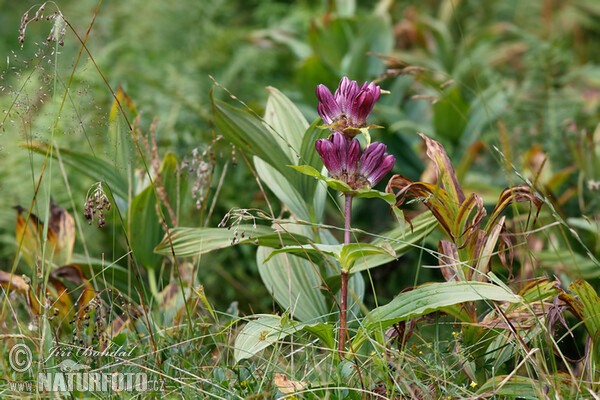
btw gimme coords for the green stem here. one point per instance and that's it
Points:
(344, 280)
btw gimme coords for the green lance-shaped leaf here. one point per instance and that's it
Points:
(429, 298)
(95, 168)
(283, 189)
(189, 242)
(144, 227)
(355, 251)
(309, 156)
(287, 121)
(346, 254)
(261, 333)
(391, 244)
(585, 304)
(343, 186)
(294, 283)
(401, 239)
(323, 331)
(249, 133)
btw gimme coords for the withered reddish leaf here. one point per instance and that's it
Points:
(61, 235)
(28, 232)
(286, 385)
(477, 249)
(74, 274)
(584, 303)
(506, 243)
(450, 261)
(434, 197)
(467, 228)
(63, 302)
(521, 316)
(123, 321)
(483, 259)
(18, 284)
(514, 194)
(122, 100)
(437, 154)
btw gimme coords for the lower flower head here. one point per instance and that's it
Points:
(342, 158)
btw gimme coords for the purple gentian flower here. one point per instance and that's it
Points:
(375, 163)
(340, 155)
(342, 158)
(347, 110)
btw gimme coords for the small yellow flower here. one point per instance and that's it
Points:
(473, 384)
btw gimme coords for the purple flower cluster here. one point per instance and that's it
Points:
(345, 113)
(347, 110)
(343, 159)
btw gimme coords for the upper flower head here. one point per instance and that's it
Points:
(346, 111)
(342, 158)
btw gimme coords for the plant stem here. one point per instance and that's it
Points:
(344, 282)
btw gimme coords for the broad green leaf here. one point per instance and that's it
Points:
(356, 294)
(319, 198)
(346, 254)
(323, 331)
(261, 333)
(175, 184)
(333, 250)
(248, 132)
(525, 387)
(573, 264)
(429, 298)
(505, 347)
(343, 186)
(484, 110)
(586, 304)
(401, 239)
(309, 156)
(396, 241)
(294, 283)
(450, 114)
(282, 188)
(95, 168)
(144, 228)
(354, 251)
(287, 121)
(189, 242)
(331, 42)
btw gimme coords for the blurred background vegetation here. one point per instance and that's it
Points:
(454, 69)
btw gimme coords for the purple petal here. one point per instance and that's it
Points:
(384, 167)
(329, 157)
(361, 108)
(323, 115)
(328, 108)
(345, 94)
(353, 157)
(371, 158)
(340, 146)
